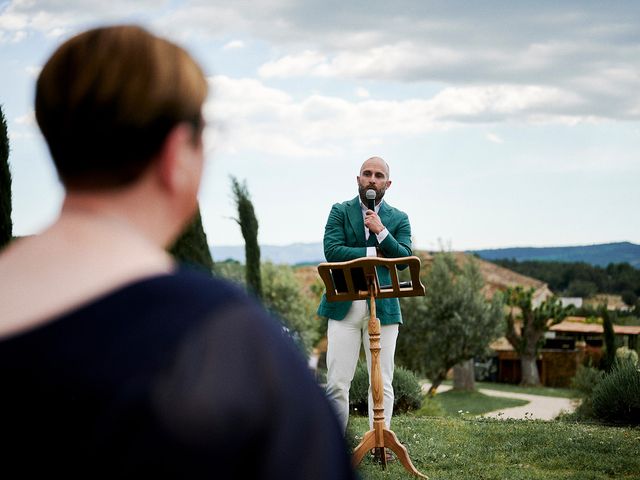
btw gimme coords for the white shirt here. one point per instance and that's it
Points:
(371, 251)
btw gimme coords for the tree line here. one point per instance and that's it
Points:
(579, 279)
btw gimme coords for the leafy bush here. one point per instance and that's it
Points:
(359, 391)
(624, 354)
(408, 394)
(282, 294)
(617, 397)
(231, 270)
(585, 381)
(451, 323)
(407, 391)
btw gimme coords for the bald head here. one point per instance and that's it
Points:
(374, 175)
(375, 162)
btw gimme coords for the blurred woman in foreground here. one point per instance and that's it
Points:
(115, 361)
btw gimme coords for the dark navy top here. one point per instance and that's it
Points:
(178, 375)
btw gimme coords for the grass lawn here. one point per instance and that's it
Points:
(457, 448)
(474, 403)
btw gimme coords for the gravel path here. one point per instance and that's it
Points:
(539, 407)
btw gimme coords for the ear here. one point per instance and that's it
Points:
(388, 183)
(173, 166)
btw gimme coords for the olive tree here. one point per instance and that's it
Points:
(451, 324)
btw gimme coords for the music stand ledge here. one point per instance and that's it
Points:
(358, 280)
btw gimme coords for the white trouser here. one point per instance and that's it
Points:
(343, 349)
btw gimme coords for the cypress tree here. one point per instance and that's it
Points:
(609, 358)
(6, 227)
(249, 227)
(192, 247)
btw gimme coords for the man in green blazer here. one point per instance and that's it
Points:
(354, 231)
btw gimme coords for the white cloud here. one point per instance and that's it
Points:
(500, 102)
(28, 119)
(245, 114)
(362, 92)
(293, 65)
(588, 51)
(33, 70)
(54, 18)
(233, 45)
(492, 137)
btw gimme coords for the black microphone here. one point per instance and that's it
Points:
(371, 199)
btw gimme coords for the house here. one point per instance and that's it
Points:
(580, 330)
(568, 344)
(571, 301)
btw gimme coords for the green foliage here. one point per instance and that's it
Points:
(609, 357)
(408, 394)
(231, 270)
(459, 403)
(451, 323)
(567, 277)
(624, 354)
(581, 288)
(192, 247)
(535, 320)
(464, 448)
(6, 226)
(617, 397)
(629, 298)
(585, 381)
(249, 227)
(407, 390)
(359, 391)
(283, 295)
(529, 338)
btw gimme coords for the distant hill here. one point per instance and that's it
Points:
(600, 255)
(312, 253)
(294, 254)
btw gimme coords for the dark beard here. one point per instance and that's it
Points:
(363, 197)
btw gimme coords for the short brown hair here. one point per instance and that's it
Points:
(108, 97)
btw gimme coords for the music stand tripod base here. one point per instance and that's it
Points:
(358, 280)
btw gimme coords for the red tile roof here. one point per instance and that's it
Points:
(581, 327)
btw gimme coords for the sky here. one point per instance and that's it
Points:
(504, 123)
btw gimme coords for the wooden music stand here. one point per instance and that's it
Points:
(358, 280)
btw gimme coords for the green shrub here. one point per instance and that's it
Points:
(359, 391)
(624, 354)
(283, 295)
(585, 381)
(617, 397)
(407, 391)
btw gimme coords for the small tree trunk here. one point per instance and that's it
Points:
(464, 376)
(529, 368)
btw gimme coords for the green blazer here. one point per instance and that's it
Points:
(344, 239)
